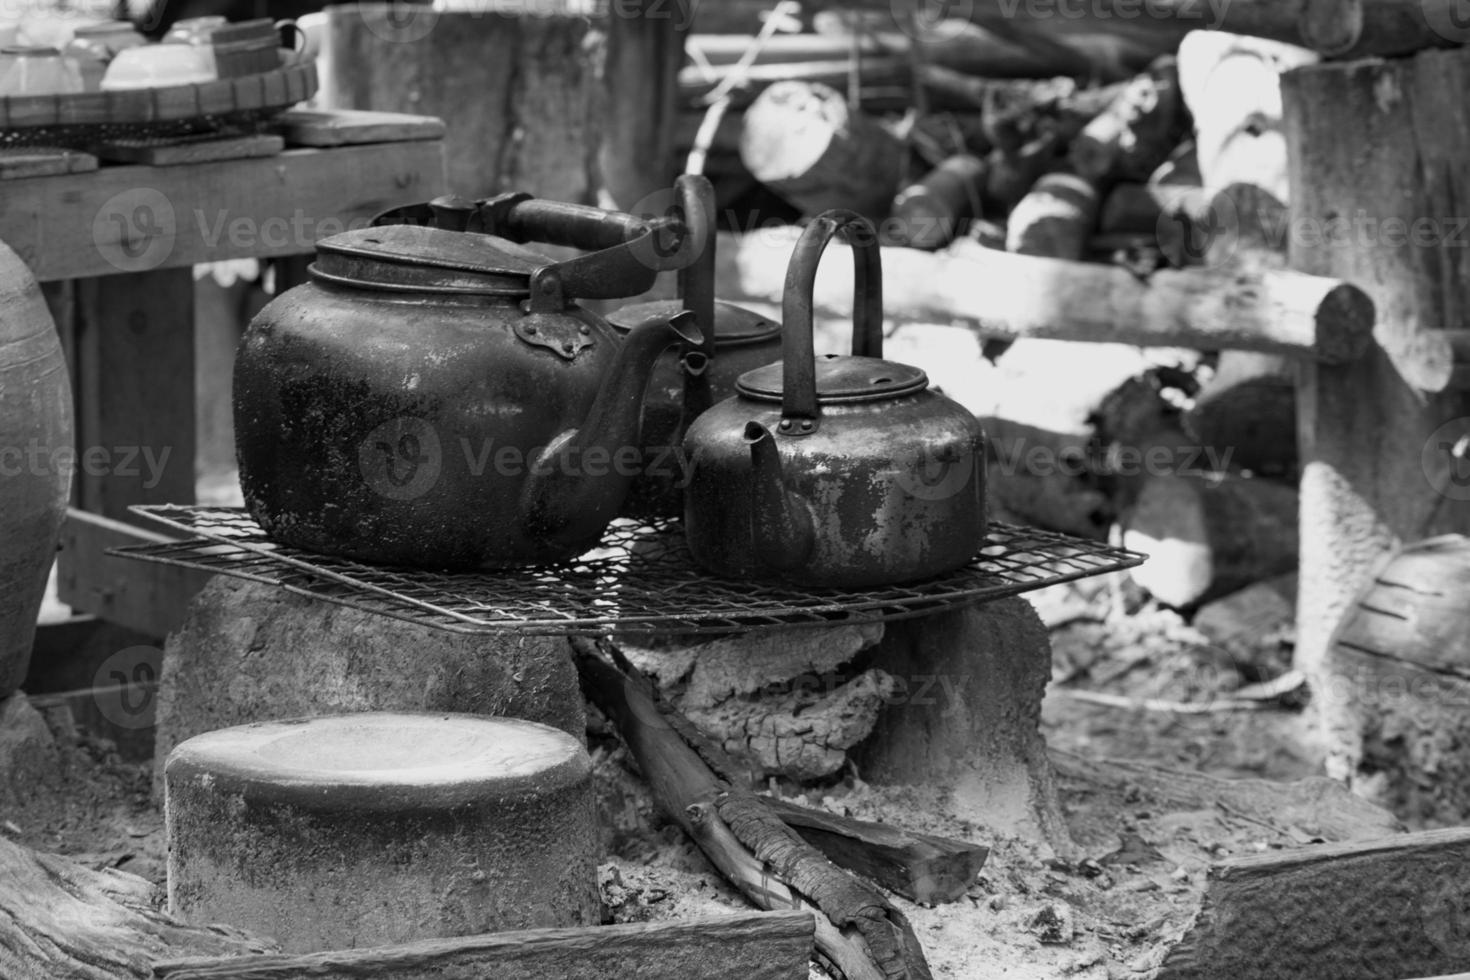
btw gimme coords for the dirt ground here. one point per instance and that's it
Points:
(1107, 910)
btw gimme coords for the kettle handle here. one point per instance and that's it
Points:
(625, 252)
(696, 198)
(799, 359)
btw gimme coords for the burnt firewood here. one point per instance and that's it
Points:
(857, 930)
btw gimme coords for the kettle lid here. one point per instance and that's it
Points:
(422, 259)
(840, 378)
(734, 325)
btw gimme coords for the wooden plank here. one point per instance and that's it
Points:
(349, 127)
(920, 867)
(172, 152)
(137, 218)
(143, 596)
(1363, 910)
(136, 405)
(43, 161)
(742, 946)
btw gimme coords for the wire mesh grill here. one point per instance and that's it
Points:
(641, 579)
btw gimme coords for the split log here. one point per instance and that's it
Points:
(1317, 806)
(930, 213)
(58, 918)
(1005, 295)
(808, 145)
(251, 652)
(1397, 679)
(753, 945)
(1232, 87)
(1356, 152)
(856, 928)
(920, 867)
(1359, 910)
(1135, 133)
(1208, 534)
(521, 104)
(384, 839)
(1055, 219)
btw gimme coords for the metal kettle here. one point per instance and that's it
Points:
(438, 399)
(840, 471)
(684, 386)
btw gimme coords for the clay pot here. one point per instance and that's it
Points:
(36, 460)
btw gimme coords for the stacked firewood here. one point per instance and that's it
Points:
(1149, 152)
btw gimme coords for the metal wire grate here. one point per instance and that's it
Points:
(640, 580)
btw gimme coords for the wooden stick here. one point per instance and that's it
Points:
(742, 946)
(920, 867)
(1005, 295)
(859, 930)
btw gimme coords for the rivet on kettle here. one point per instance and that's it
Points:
(584, 330)
(568, 346)
(806, 425)
(785, 425)
(531, 328)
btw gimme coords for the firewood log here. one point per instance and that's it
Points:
(1352, 29)
(1232, 88)
(1358, 910)
(1001, 294)
(1206, 533)
(740, 946)
(59, 919)
(1135, 133)
(1055, 218)
(1134, 208)
(856, 928)
(808, 145)
(931, 212)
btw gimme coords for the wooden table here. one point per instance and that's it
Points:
(114, 251)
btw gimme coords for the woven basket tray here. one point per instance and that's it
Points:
(77, 120)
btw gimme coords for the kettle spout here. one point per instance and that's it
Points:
(780, 526)
(578, 483)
